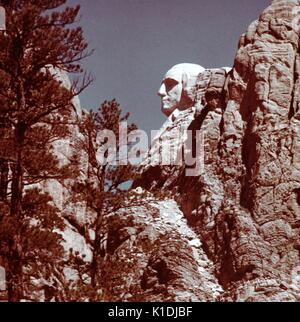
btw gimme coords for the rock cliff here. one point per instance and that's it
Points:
(232, 232)
(245, 207)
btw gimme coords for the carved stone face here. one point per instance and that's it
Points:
(170, 92)
(176, 86)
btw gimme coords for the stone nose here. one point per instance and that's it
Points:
(162, 91)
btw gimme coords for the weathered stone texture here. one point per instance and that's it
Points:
(245, 208)
(231, 233)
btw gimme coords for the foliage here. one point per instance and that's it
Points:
(37, 50)
(105, 195)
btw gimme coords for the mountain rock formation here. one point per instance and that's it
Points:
(232, 232)
(245, 207)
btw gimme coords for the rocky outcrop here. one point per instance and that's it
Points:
(230, 233)
(245, 206)
(153, 255)
(66, 151)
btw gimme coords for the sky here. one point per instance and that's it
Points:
(137, 41)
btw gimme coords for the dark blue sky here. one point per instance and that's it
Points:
(136, 41)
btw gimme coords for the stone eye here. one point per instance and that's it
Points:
(170, 83)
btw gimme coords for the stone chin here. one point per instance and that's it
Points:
(167, 109)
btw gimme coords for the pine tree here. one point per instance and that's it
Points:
(37, 47)
(105, 191)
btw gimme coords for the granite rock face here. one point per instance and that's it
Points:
(66, 151)
(231, 233)
(153, 255)
(245, 207)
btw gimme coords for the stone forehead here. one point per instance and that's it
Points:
(191, 70)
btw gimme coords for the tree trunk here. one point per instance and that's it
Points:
(3, 179)
(96, 250)
(15, 265)
(14, 279)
